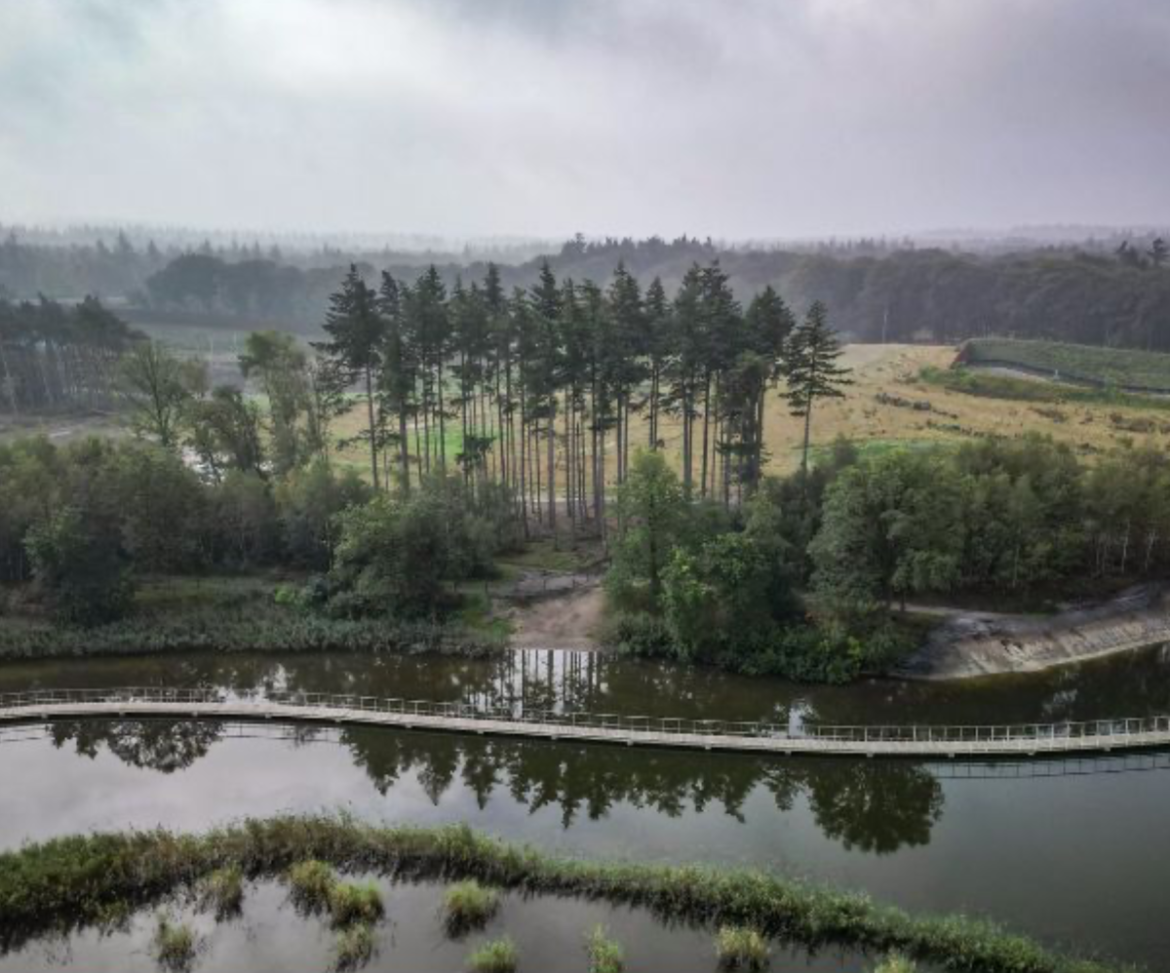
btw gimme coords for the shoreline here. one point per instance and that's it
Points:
(970, 646)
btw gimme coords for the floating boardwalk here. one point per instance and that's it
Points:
(933, 742)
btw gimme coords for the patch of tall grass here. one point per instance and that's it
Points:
(222, 892)
(173, 945)
(895, 963)
(352, 904)
(468, 905)
(354, 946)
(496, 956)
(605, 955)
(311, 884)
(262, 630)
(67, 882)
(741, 948)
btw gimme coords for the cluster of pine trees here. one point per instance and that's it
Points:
(55, 358)
(549, 389)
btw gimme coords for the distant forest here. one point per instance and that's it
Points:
(875, 291)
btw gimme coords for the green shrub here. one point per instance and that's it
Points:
(312, 883)
(739, 947)
(605, 954)
(468, 905)
(354, 946)
(173, 945)
(223, 891)
(497, 956)
(642, 635)
(351, 904)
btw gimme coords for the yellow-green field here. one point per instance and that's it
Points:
(1089, 422)
(892, 372)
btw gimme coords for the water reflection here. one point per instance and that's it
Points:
(160, 745)
(1134, 684)
(873, 806)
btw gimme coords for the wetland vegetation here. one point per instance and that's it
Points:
(72, 882)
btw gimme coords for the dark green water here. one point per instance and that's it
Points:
(1073, 851)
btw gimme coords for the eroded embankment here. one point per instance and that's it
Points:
(971, 645)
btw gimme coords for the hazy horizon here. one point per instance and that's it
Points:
(523, 120)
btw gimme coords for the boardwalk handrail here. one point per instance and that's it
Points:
(1109, 731)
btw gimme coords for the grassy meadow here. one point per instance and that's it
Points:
(903, 396)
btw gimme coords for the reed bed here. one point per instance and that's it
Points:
(80, 880)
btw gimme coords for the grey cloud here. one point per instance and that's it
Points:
(729, 117)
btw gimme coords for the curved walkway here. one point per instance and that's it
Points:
(1029, 739)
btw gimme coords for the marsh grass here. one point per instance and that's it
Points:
(311, 884)
(173, 945)
(222, 892)
(605, 955)
(354, 946)
(81, 880)
(741, 948)
(496, 956)
(895, 963)
(468, 905)
(260, 627)
(351, 904)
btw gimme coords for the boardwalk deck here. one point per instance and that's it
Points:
(985, 741)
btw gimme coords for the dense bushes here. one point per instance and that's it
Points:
(695, 582)
(396, 554)
(991, 516)
(858, 537)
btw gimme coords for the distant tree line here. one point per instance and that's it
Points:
(56, 358)
(874, 292)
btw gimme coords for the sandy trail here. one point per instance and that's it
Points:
(565, 621)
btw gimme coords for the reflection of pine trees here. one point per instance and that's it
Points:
(874, 807)
(162, 745)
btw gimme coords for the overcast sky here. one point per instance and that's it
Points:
(734, 118)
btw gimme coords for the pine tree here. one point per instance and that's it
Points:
(658, 327)
(811, 370)
(354, 348)
(545, 374)
(396, 383)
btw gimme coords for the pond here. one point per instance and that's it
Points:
(1075, 851)
(269, 933)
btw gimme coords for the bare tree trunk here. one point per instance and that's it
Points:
(552, 470)
(373, 435)
(442, 422)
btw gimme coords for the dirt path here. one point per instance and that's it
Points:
(567, 620)
(975, 644)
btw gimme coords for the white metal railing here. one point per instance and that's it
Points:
(1105, 731)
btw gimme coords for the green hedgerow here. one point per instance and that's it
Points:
(497, 956)
(468, 905)
(739, 947)
(605, 955)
